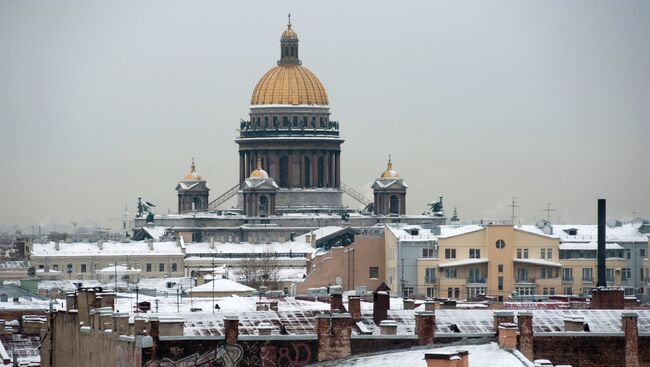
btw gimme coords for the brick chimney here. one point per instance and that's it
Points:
(576, 323)
(388, 327)
(631, 330)
(336, 298)
(334, 336)
(409, 304)
(525, 343)
(231, 328)
(425, 327)
(507, 336)
(380, 306)
(501, 317)
(354, 307)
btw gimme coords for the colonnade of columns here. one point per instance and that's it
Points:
(318, 168)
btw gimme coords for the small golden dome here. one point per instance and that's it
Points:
(259, 172)
(289, 84)
(289, 33)
(389, 172)
(192, 175)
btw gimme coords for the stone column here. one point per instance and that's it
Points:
(242, 169)
(314, 167)
(525, 324)
(231, 329)
(631, 330)
(301, 183)
(326, 168)
(425, 327)
(338, 169)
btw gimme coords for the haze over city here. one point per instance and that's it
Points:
(101, 103)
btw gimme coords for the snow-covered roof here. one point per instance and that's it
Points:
(123, 269)
(221, 285)
(464, 262)
(107, 249)
(297, 247)
(483, 355)
(592, 246)
(403, 232)
(458, 229)
(540, 262)
(589, 232)
(320, 233)
(155, 232)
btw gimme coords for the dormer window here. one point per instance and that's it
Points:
(414, 231)
(571, 231)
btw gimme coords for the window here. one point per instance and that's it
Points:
(609, 274)
(431, 292)
(428, 252)
(551, 291)
(82, 268)
(626, 273)
(450, 253)
(475, 275)
(149, 268)
(500, 283)
(642, 252)
(55, 267)
(628, 253)
(500, 267)
(373, 272)
(430, 275)
(525, 253)
(522, 275)
(567, 274)
(450, 272)
(161, 267)
(518, 253)
(542, 254)
(474, 253)
(500, 244)
(174, 268)
(546, 273)
(549, 253)
(408, 291)
(568, 291)
(545, 291)
(587, 274)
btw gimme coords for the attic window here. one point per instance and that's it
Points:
(414, 231)
(571, 231)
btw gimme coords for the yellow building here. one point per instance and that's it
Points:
(502, 261)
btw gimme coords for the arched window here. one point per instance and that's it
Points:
(196, 204)
(307, 170)
(264, 206)
(293, 53)
(393, 206)
(284, 171)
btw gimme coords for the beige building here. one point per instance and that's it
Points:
(358, 264)
(503, 261)
(83, 260)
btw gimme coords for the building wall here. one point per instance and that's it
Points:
(352, 263)
(94, 263)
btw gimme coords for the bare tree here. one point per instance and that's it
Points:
(259, 269)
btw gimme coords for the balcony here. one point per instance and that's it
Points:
(476, 281)
(567, 280)
(525, 281)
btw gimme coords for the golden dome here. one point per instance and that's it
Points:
(389, 172)
(289, 84)
(259, 172)
(289, 33)
(192, 175)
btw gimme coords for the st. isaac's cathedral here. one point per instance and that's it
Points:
(289, 170)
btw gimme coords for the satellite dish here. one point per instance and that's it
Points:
(638, 223)
(548, 230)
(339, 280)
(541, 223)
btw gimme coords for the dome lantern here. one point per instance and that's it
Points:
(289, 46)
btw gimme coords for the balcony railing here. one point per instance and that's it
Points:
(479, 280)
(587, 280)
(429, 280)
(567, 280)
(525, 280)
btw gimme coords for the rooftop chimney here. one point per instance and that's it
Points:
(601, 244)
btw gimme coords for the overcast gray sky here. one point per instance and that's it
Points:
(548, 101)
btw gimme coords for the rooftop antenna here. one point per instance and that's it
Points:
(548, 211)
(514, 205)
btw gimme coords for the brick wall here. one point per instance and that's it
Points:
(588, 351)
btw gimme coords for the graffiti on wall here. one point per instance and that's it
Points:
(222, 356)
(292, 355)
